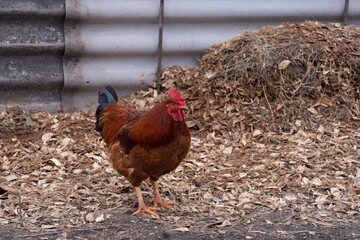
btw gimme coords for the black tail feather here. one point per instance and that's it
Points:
(106, 97)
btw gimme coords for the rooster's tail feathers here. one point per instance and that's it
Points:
(106, 97)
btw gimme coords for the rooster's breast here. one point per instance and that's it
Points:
(162, 159)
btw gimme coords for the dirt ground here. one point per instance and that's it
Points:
(125, 226)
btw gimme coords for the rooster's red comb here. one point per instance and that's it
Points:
(176, 95)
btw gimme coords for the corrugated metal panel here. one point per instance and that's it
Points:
(31, 50)
(354, 13)
(108, 42)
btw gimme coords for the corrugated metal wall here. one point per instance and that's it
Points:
(116, 41)
(31, 50)
(354, 13)
(108, 42)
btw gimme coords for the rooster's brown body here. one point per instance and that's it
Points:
(144, 144)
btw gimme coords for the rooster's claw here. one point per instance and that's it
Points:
(145, 210)
(162, 204)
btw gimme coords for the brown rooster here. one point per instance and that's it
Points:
(144, 144)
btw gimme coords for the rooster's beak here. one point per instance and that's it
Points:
(183, 107)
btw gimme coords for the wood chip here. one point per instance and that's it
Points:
(283, 64)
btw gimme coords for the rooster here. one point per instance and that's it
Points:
(144, 144)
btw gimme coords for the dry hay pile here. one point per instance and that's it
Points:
(276, 78)
(55, 173)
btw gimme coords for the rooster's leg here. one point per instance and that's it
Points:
(157, 199)
(142, 206)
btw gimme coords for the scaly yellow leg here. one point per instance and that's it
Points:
(157, 198)
(142, 207)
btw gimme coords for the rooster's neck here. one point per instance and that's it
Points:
(160, 115)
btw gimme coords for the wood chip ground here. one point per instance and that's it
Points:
(274, 118)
